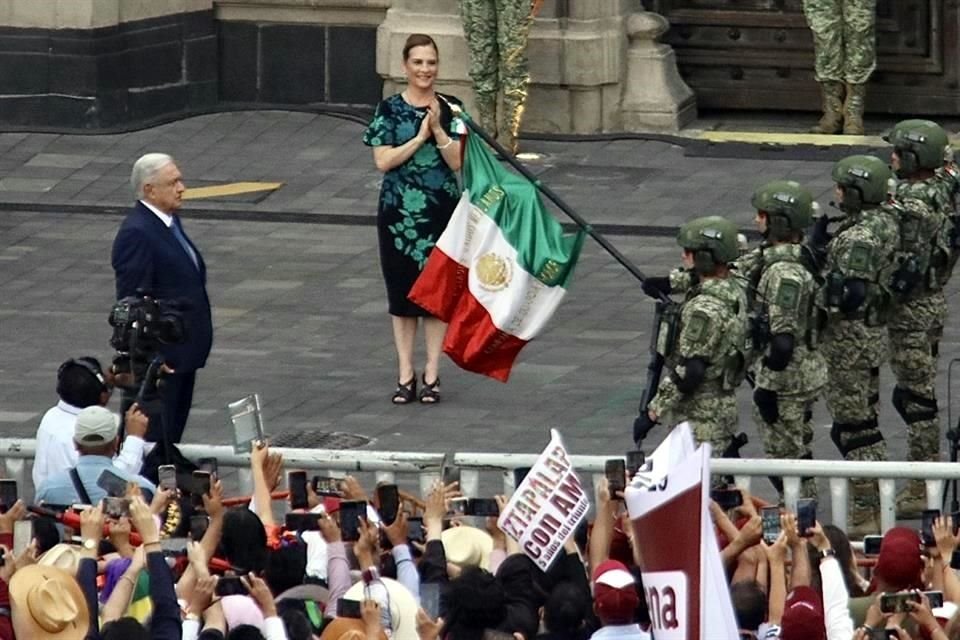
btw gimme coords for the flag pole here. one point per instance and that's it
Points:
(553, 197)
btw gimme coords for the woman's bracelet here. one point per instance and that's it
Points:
(444, 146)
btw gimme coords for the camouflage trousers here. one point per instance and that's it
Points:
(915, 330)
(497, 33)
(712, 417)
(844, 39)
(789, 437)
(853, 353)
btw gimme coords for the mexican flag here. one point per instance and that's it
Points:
(499, 270)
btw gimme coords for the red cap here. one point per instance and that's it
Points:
(331, 505)
(803, 616)
(900, 564)
(614, 593)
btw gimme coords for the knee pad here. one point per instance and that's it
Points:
(766, 401)
(858, 435)
(928, 406)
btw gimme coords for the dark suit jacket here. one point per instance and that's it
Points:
(147, 256)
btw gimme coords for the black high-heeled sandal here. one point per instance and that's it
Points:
(406, 391)
(430, 393)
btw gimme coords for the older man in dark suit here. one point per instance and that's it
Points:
(152, 255)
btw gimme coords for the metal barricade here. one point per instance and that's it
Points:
(838, 472)
(17, 455)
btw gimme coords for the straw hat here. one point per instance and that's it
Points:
(346, 629)
(62, 556)
(403, 607)
(467, 546)
(47, 603)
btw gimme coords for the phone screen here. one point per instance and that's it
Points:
(635, 461)
(926, 527)
(727, 499)
(8, 494)
(897, 602)
(451, 475)
(247, 421)
(935, 598)
(209, 464)
(483, 507)
(297, 481)
(116, 507)
(871, 545)
(230, 586)
(806, 515)
(327, 486)
(198, 526)
(415, 531)
(302, 522)
(347, 608)
(458, 507)
(519, 475)
(22, 535)
(388, 496)
(351, 512)
(167, 475)
(430, 598)
(615, 470)
(114, 485)
(770, 521)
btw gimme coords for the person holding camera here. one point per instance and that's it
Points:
(153, 256)
(415, 145)
(81, 383)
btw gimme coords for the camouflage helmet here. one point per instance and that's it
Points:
(920, 144)
(713, 241)
(789, 207)
(864, 179)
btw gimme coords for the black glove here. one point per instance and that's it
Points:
(642, 426)
(656, 287)
(819, 236)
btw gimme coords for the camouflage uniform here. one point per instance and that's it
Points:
(712, 326)
(787, 293)
(845, 54)
(916, 319)
(844, 39)
(855, 344)
(497, 33)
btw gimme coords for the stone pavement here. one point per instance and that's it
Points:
(299, 307)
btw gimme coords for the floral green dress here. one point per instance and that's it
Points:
(416, 200)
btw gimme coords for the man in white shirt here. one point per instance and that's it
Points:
(81, 384)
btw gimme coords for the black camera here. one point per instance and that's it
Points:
(140, 325)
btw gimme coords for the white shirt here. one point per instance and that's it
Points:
(56, 451)
(165, 218)
(620, 631)
(836, 611)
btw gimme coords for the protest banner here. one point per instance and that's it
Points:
(547, 506)
(683, 578)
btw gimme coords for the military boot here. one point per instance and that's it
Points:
(831, 94)
(487, 113)
(912, 500)
(853, 109)
(864, 505)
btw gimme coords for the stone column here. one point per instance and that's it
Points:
(576, 56)
(654, 96)
(98, 63)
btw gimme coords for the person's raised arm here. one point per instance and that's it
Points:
(338, 567)
(836, 598)
(777, 557)
(130, 458)
(116, 605)
(407, 574)
(91, 531)
(602, 534)
(946, 545)
(263, 465)
(800, 573)
(433, 564)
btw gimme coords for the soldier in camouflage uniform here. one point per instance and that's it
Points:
(791, 373)
(845, 54)
(919, 311)
(857, 268)
(497, 33)
(705, 357)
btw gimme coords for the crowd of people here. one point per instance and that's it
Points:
(348, 565)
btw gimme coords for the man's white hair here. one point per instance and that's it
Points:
(145, 169)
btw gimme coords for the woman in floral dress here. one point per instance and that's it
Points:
(416, 148)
